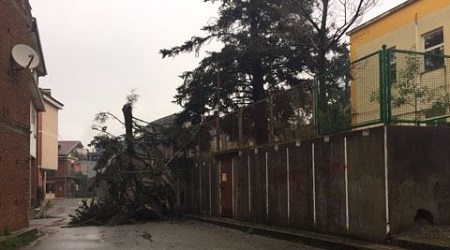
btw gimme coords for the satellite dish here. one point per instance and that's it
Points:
(25, 56)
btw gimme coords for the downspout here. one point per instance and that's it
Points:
(416, 30)
(418, 78)
(65, 181)
(386, 181)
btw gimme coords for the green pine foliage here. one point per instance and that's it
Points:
(134, 177)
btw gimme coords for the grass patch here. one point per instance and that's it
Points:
(6, 232)
(15, 242)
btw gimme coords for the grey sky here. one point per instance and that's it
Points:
(97, 51)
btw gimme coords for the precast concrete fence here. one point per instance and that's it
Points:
(365, 184)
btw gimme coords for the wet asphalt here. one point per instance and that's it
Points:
(180, 234)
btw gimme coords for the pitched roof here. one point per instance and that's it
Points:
(167, 120)
(66, 147)
(47, 96)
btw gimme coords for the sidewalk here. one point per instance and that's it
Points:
(424, 237)
(56, 212)
(429, 237)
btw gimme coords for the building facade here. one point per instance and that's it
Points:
(416, 32)
(20, 101)
(47, 143)
(64, 182)
(414, 25)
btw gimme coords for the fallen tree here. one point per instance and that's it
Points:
(132, 171)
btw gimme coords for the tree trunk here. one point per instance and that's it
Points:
(135, 184)
(260, 109)
(322, 60)
(257, 72)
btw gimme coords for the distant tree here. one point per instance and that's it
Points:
(259, 57)
(409, 91)
(330, 20)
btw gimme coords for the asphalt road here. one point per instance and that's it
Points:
(184, 234)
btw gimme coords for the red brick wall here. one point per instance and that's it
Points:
(64, 178)
(15, 24)
(14, 180)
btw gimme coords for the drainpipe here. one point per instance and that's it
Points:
(419, 76)
(416, 30)
(30, 165)
(65, 181)
(386, 180)
(44, 182)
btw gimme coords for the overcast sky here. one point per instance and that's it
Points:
(97, 51)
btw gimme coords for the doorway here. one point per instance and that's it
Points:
(226, 186)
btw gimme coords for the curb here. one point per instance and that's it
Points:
(411, 244)
(308, 238)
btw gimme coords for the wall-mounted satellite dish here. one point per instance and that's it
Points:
(25, 56)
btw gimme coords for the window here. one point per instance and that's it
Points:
(434, 47)
(392, 65)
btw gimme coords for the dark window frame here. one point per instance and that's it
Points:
(392, 65)
(434, 49)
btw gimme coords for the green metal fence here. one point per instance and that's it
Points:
(387, 87)
(282, 117)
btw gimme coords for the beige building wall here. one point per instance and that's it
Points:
(48, 134)
(402, 28)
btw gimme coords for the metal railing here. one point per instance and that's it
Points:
(387, 87)
(285, 116)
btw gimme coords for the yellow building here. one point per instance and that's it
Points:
(416, 25)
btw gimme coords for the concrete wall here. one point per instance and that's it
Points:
(366, 184)
(335, 185)
(198, 189)
(419, 174)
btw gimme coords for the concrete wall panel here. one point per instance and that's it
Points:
(367, 207)
(330, 185)
(419, 174)
(301, 209)
(277, 196)
(215, 188)
(350, 194)
(258, 184)
(241, 187)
